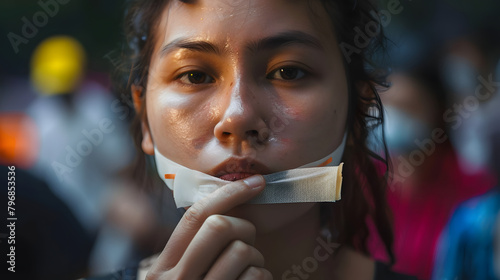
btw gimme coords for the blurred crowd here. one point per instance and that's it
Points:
(81, 212)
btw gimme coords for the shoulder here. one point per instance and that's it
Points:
(477, 209)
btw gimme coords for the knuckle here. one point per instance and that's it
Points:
(240, 249)
(150, 276)
(217, 223)
(260, 258)
(251, 228)
(194, 215)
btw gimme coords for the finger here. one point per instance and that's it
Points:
(256, 273)
(213, 237)
(219, 202)
(234, 260)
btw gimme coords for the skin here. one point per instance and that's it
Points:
(217, 91)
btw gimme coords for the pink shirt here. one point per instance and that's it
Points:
(421, 212)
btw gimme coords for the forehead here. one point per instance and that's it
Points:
(234, 22)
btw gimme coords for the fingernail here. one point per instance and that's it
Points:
(254, 181)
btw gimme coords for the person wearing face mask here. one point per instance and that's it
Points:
(401, 130)
(463, 71)
(469, 245)
(232, 96)
(427, 181)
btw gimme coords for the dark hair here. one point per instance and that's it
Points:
(364, 186)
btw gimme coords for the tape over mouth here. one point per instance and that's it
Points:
(319, 181)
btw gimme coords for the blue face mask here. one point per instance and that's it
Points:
(401, 131)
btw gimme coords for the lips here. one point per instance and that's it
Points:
(236, 176)
(235, 169)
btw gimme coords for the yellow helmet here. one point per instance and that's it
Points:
(57, 65)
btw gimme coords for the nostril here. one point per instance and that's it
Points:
(258, 136)
(257, 139)
(264, 134)
(226, 133)
(253, 132)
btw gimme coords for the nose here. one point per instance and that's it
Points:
(243, 118)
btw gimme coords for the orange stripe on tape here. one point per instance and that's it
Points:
(169, 176)
(326, 162)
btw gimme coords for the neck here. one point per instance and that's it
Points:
(291, 252)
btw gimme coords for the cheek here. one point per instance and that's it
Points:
(319, 115)
(315, 124)
(329, 115)
(183, 123)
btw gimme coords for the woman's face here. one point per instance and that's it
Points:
(244, 87)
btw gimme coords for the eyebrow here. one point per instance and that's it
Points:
(284, 39)
(268, 43)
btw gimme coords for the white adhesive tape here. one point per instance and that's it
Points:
(307, 183)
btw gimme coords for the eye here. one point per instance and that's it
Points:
(195, 77)
(287, 74)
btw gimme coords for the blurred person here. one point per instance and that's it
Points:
(465, 69)
(469, 247)
(81, 139)
(427, 181)
(205, 77)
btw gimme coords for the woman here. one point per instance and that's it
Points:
(239, 89)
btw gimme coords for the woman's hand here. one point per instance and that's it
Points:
(208, 245)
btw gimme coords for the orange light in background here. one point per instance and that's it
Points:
(19, 143)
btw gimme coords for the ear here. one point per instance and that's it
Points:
(140, 108)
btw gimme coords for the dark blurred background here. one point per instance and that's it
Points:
(80, 214)
(96, 24)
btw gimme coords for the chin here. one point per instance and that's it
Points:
(268, 218)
